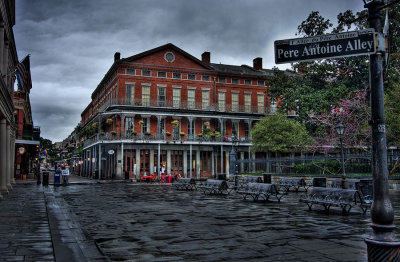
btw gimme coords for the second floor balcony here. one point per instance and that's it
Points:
(182, 105)
(166, 138)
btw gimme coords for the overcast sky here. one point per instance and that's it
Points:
(72, 42)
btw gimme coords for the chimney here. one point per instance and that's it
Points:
(257, 63)
(117, 56)
(205, 57)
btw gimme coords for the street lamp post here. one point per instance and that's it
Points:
(340, 128)
(382, 245)
(232, 157)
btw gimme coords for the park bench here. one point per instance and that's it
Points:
(292, 182)
(215, 187)
(185, 184)
(251, 179)
(337, 197)
(260, 191)
(338, 183)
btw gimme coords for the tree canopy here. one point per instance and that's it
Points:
(278, 133)
(321, 87)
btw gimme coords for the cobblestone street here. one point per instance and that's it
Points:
(145, 222)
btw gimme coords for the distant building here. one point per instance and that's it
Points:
(164, 110)
(8, 62)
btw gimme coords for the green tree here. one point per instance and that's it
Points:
(392, 107)
(280, 134)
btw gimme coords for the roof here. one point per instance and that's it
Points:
(237, 70)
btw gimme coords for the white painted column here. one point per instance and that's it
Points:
(198, 164)
(184, 163)
(213, 164)
(122, 162)
(168, 162)
(137, 171)
(241, 163)
(8, 157)
(227, 164)
(3, 157)
(158, 161)
(190, 161)
(99, 159)
(151, 161)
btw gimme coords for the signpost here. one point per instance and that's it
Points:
(325, 46)
(382, 245)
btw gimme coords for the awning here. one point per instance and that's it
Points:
(27, 142)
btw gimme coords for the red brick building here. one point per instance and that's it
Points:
(165, 109)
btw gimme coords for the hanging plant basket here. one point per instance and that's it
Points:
(109, 121)
(175, 123)
(168, 133)
(134, 133)
(141, 122)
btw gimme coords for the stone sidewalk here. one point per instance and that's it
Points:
(35, 226)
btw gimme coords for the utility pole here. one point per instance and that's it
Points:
(382, 245)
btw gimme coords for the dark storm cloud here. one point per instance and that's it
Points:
(72, 42)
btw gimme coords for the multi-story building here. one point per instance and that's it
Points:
(8, 62)
(164, 110)
(27, 142)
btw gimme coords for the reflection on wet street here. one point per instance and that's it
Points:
(140, 222)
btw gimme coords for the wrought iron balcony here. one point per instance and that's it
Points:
(186, 105)
(143, 138)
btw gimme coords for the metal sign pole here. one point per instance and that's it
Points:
(382, 245)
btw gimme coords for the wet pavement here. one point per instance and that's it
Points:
(150, 222)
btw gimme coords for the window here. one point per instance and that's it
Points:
(247, 102)
(235, 129)
(221, 101)
(130, 71)
(235, 81)
(162, 126)
(130, 94)
(205, 98)
(273, 106)
(235, 102)
(205, 78)
(161, 96)
(191, 77)
(222, 79)
(260, 103)
(146, 125)
(145, 95)
(128, 125)
(261, 83)
(146, 73)
(176, 97)
(191, 128)
(176, 75)
(162, 74)
(246, 129)
(191, 98)
(247, 82)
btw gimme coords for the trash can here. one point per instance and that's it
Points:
(319, 182)
(267, 178)
(57, 178)
(221, 177)
(45, 178)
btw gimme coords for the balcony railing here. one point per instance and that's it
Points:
(143, 138)
(184, 105)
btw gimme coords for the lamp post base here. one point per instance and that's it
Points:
(345, 183)
(382, 246)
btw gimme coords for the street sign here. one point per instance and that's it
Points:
(353, 43)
